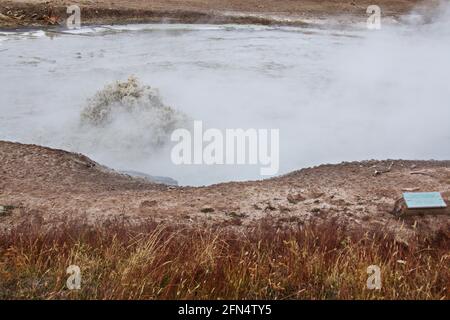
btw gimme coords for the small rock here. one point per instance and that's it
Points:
(6, 210)
(316, 194)
(295, 198)
(236, 215)
(284, 209)
(255, 206)
(148, 203)
(270, 207)
(207, 209)
(315, 210)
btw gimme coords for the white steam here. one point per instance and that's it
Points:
(334, 95)
(118, 108)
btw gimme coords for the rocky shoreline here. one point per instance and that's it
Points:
(48, 186)
(36, 13)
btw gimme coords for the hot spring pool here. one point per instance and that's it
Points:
(334, 95)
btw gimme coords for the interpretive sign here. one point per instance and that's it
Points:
(424, 200)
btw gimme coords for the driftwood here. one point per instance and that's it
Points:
(380, 171)
(410, 189)
(425, 173)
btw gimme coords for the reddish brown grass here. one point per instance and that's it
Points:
(151, 261)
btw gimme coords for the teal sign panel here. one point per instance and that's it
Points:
(424, 200)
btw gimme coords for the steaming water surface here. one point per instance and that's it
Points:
(335, 95)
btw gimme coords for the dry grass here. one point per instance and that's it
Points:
(152, 261)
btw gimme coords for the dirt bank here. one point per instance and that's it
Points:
(46, 186)
(38, 13)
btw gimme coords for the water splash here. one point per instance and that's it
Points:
(140, 106)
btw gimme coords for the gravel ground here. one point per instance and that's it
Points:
(49, 186)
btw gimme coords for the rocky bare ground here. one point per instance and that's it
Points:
(48, 186)
(38, 13)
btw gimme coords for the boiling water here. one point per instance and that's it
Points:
(334, 95)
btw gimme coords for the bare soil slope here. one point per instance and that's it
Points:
(46, 186)
(26, 13)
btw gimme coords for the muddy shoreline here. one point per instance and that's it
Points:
(36, 13)
(47, 186)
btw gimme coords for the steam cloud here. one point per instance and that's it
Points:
(335, 95)
(139, 105)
